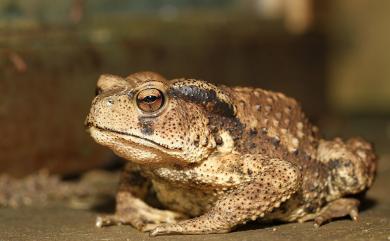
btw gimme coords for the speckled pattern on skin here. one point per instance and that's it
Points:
(216, 157)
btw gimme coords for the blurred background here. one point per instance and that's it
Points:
(333, 56)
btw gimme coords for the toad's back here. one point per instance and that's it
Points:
(276, 126)
(278, 118)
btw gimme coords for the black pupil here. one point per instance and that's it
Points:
(150, 98)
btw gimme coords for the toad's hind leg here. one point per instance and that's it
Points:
(337, 209)
(352, 165)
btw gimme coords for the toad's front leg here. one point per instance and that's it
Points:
(276, 181)
(130, 207)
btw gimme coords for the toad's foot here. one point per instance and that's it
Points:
(336, 209)
(143, 219)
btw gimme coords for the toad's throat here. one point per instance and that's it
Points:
(137, 137)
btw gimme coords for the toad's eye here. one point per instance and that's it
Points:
(150, 100)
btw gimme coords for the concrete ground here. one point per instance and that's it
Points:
(57, 222)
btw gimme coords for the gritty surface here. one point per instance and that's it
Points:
(59, 223)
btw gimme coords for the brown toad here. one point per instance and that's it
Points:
(216, 157)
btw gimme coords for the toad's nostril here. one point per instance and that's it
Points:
(110, 102)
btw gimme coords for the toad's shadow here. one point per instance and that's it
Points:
(367, 203)
(105, 206)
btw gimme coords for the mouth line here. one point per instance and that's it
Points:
(135, 136)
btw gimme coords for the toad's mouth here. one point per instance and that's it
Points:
(136, 139)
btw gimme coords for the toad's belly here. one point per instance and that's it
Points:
(194, 202)
(188, 200)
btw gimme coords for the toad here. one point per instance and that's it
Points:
(214, 157)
